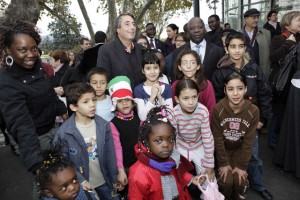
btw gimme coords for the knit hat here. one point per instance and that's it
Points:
(119, 88)
(251, 12)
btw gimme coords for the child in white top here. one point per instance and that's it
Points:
(152, 92)
(97, 78)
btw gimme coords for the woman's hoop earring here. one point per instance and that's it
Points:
(9, 60)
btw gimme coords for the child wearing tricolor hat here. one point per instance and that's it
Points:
(124, 126)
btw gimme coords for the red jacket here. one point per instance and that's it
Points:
(145, 183)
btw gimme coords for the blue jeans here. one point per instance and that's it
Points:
(255, 169)
(104, 192)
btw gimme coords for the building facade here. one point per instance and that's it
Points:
(234, 10)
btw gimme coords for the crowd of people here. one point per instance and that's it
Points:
(139, 118)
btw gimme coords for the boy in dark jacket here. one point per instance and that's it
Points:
(258, 92)
(86, 139)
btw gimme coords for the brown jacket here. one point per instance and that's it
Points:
(234, 133)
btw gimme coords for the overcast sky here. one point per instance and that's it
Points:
(100, 21)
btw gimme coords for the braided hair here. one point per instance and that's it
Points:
(157, 115)
(8, 31)
(53, 162)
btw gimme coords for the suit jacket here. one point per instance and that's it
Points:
(89, 61)
(117, 62)
(160, 46)
(212, 56)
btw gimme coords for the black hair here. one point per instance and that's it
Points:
(185, 84)
(235, 75)
(216, 17)
(174, 27)
(157, 115)
(8, 31)
(200, 78)
(100, 37)
(226, 24)
(76, 90)
(53, 163)
(83, 39)
(96, 70)
(235, 35)
(149, 57)
(150, 24)
(270, 14)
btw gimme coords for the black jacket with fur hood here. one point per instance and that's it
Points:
(258, 89)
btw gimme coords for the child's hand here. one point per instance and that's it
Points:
(154, 92)
(118, 186)
(122, 177)
(196, 180)
(86, 185)
(241, 173)
(211, 174)
(223, 171)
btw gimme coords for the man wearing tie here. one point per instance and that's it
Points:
(153, 42)
(209, 53)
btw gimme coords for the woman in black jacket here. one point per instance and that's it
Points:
(287, 152)
(27, 101)
(280, 47)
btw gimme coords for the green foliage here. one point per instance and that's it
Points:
(63, 37)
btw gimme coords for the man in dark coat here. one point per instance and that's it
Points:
(153, 42)
(214, 35)
(90, 56)
(209, 53)
(122, 56)
(272, 25)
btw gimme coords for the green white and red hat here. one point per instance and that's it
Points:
(119, 88)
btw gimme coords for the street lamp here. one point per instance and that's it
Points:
(215, 7)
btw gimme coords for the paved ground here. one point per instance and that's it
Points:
(16, 184)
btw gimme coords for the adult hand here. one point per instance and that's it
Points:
(259, 125)
(122, 177)
(241, 173)
(86, 185)
(59, 90)
(223, 171)
(65, 116)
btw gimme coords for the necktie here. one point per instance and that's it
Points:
(198, 49)
(151, 43)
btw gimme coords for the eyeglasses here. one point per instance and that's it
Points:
(179, 40)
(189, 63)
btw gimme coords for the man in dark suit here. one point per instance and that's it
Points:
(209, 53)
(214, 35)
(89, 59)
(122, 56)
(153, 42)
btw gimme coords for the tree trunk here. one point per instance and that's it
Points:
(140, 17)
(112, 15)
(27, 10)
(87, 20)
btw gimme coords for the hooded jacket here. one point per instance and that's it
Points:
(234, 133)
(144, 181)
(258, 89)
